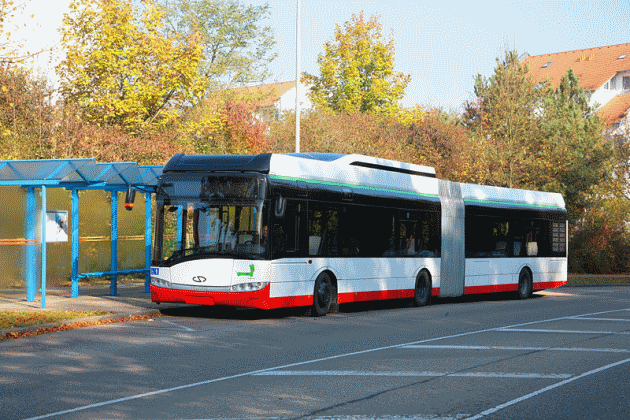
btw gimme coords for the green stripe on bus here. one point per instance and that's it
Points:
(362, 187)
(509, 203)
(330, 183)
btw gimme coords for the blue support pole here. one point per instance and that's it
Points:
(147, 242)
(114, 243)
(74, 289)
(43, 289)
(31, 222)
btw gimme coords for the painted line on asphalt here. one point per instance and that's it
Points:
(413, 374)
(600, 319)
(177, 325)
(240, 375)
(548, 388)
(420, 346)
(508, 329)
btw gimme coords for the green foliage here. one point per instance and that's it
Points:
(357, 70)
(572, 154)
(26, 114)
(325, 131)
(600, 239)
(225, 124)
(237, 47)
(120, 69)
(535, 137)
(504, 115)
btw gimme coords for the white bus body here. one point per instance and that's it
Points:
(273, 231)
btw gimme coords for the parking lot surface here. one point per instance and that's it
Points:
(563, 354)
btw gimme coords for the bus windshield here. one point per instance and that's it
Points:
(206, 230)
(225, 223)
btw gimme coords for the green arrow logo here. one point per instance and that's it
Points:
(250, 274)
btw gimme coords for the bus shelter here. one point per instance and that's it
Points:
(37, 176)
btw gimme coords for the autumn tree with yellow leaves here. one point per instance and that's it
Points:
(121, 69)
(357, 70)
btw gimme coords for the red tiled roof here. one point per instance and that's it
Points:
(594, 66)
(269, 93)
(615, 110)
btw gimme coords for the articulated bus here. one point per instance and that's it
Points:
(316, 230)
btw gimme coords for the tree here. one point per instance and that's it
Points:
(504, 116)
(11, 49)
(26, 114)
(538, 137)
(572, 155)
(120, 69)
(357, 70)
(237, 47)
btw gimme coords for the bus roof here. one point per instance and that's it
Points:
(358, 171)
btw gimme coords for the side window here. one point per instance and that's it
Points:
(323, 229)
(428, 234)
(288, 228)
(558, 239)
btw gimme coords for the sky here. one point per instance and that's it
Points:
(442, 44)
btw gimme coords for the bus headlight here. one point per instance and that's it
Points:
(249, 287)
(160, 282)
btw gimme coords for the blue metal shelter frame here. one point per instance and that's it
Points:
(75, 175)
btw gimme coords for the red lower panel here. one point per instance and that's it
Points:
(380, 295)
(377, 295)
(548, 285)
(494, 288)
(259, 299)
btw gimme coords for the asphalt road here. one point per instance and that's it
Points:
(564, 354)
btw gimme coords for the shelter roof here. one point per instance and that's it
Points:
(594, 66)
(78, 173)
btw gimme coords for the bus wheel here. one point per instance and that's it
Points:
(525, 284)
(422, 292)
(322, 295)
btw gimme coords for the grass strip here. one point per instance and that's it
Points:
(597, 279)
(17, 319)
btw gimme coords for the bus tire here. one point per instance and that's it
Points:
(525, 284)
(422, 291)
(322, 295)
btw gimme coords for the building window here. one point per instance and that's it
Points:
(626, 82)
(546, 64)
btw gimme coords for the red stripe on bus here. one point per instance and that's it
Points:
(496, 288)
(259, 299)
(548, 284)
(375, 295)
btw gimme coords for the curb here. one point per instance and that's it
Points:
(95, 319)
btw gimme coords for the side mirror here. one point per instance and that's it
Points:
(129, 198)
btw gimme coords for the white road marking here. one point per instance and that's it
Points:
(548, 388)
(508, 329)
(420, 346)
(240, 375)
(413, 374)
(600, 319)
(177, 325)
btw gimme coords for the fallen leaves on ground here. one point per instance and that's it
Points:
(75, 325)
